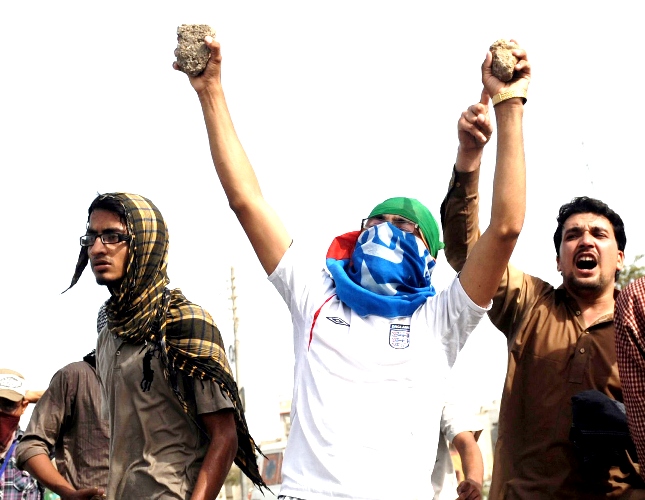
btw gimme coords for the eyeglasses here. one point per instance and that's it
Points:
(87, 240)
(401, 222)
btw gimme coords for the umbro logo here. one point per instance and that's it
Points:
(337, 321)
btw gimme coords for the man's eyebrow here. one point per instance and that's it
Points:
(591, 227)
(116, 229)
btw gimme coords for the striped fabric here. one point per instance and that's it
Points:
(143, 308)
(629, 319)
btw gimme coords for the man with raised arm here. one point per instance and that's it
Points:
(561, 340)
(373, 341)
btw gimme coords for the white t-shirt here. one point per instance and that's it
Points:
(368, 391)
(455, 419)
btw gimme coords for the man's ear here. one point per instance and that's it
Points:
(620, 263)
(23, 405)
(557, 262)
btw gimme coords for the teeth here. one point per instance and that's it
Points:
(586, 262)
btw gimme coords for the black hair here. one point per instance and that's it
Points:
(586, 205)
(90, 358)
(102, 202)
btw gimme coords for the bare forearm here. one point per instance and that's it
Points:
(213, 473)
(33, 396)
(509, 185)
(263, 227)
(468, 161)
(231, 162)
(473, 468)
(219, 457)
(41, 467)
(472, 464)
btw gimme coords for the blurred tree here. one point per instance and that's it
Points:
(233, 476)
(630, 272)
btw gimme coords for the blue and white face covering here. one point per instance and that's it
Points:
(388, 273)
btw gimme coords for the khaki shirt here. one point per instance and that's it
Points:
(67, 420)
(552, 356)
(156, 448)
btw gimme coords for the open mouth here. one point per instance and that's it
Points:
(586, 262)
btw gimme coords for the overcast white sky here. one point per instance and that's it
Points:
(339, 104)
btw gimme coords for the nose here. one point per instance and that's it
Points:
(586, 239)
(97, 248)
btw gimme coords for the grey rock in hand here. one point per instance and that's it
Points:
(503, 60)
(192, 53)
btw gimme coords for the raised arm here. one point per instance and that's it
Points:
(34, 396)
(485, 265)
(474, 130)
(264, 229)
(460, 208)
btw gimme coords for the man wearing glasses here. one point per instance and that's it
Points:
(175, 417)
(373, 341)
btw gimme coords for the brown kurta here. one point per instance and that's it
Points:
(67, 420)
(552, 356)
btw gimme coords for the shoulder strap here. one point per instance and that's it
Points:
(8, 456)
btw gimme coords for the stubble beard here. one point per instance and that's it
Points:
(111, 284)
(586, 287)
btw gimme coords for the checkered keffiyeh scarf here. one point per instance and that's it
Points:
(144, 309)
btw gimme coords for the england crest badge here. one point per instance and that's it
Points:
(399, 336)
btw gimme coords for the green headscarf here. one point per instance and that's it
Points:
(417, 212)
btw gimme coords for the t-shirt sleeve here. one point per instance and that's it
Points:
(46, 421)
(303, 287)
(209, 397)
(453, 316)
(460, 417)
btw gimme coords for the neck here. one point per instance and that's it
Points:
(592, 304)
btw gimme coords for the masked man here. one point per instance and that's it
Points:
(373, 341)
(14, 483)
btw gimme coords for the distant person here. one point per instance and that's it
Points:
(176, 420)
(373, 341)
(14, 483)
(461, 427)
(630, 349)
(67, 424)
(561, 340)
